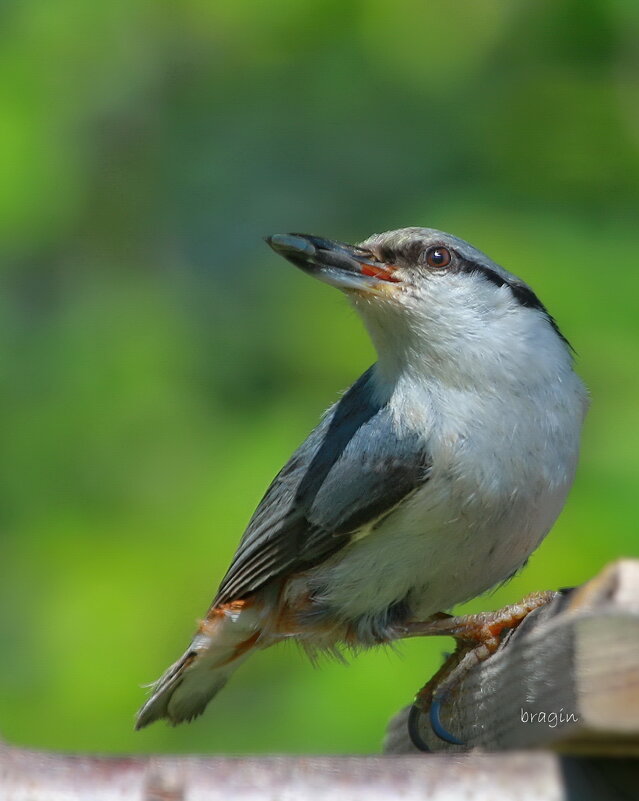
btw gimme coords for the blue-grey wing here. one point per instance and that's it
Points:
(351, 470)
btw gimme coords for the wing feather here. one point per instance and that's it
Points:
(353, 468)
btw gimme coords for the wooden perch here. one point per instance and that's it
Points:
(567, 679)
(34, 776)
(579, 654)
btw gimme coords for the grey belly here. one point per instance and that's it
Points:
(423, 559)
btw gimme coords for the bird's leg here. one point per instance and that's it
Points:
(477, 637)
(483, 627)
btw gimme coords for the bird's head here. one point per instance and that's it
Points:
(434, 303)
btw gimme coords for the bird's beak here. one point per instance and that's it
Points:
(335, 263)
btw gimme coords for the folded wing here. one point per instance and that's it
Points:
(354, 468)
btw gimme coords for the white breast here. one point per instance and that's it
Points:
(501, 473)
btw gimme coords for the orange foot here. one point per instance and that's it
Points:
(478, 637)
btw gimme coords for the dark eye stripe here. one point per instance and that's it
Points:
(522, 294)
(386, 254)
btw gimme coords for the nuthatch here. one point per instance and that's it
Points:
(430, 481)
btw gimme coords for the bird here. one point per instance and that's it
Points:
(430, 481)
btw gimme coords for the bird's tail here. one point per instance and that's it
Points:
(224, 640)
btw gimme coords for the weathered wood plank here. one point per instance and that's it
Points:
(534, 776)
(566, 679)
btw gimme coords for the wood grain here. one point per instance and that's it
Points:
(567, 679)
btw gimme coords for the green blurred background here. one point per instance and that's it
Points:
(160, 362)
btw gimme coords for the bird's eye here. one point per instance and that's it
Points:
(438, 257)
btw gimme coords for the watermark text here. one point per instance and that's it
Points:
(551, 719)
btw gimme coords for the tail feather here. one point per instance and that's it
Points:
(224, 641)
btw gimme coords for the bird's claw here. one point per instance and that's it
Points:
(414, 718)
(434, 716)
(436, 723)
